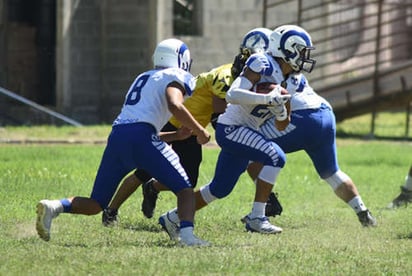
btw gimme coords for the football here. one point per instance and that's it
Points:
(267, 87)
(264, 87)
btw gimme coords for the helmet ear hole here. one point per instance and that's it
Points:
(287, 53)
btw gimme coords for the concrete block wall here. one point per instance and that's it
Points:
(22, 60)
(104, 44)
(78, 59)
(125, 50)
(224, 24)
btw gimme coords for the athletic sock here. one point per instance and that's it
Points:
(185, 223)
(408, 183)
(357, 204)
(258, 209)
(66, 206)
(186, 231)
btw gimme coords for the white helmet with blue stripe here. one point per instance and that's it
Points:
(172, 53)
(293, 44)
(256, 40)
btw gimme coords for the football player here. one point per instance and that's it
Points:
(241, 143)
(153, 97)
(313, 125)
(206, 104)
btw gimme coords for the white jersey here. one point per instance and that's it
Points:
(146, 99)
(254, 116)
(303, 95)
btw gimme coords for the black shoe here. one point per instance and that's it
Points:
(273, 206)
(403, 199)
(149, 198)
(366, 218)
(109, 217)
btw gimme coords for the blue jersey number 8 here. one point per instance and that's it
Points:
(133, 97)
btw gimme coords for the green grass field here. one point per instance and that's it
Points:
(322, 235)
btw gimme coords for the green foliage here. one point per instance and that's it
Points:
(322, 235)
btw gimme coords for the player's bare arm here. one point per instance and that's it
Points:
(175, 97)
(180, 134)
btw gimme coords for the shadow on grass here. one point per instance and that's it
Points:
(164, 243)
(405, 236)
(142, 227)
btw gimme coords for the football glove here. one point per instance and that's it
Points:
(280, 111)
(275, 97)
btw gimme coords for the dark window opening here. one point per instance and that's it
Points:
(186, 17)
(32, 23)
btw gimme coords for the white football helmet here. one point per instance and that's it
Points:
(172, 53)
(254, 41)
(293, 44)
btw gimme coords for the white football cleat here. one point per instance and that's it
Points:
(192, 240)
(171, 228)
(261, 225)
(45, 214)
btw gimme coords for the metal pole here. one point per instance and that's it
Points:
(39, 107)
(408, 114)
(264, 11)
(408, 107)
(376, 70)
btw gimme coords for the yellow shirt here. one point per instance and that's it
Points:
(215, 82)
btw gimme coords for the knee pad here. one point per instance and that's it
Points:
(206, 194)
(336, 179)
(269, 174)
